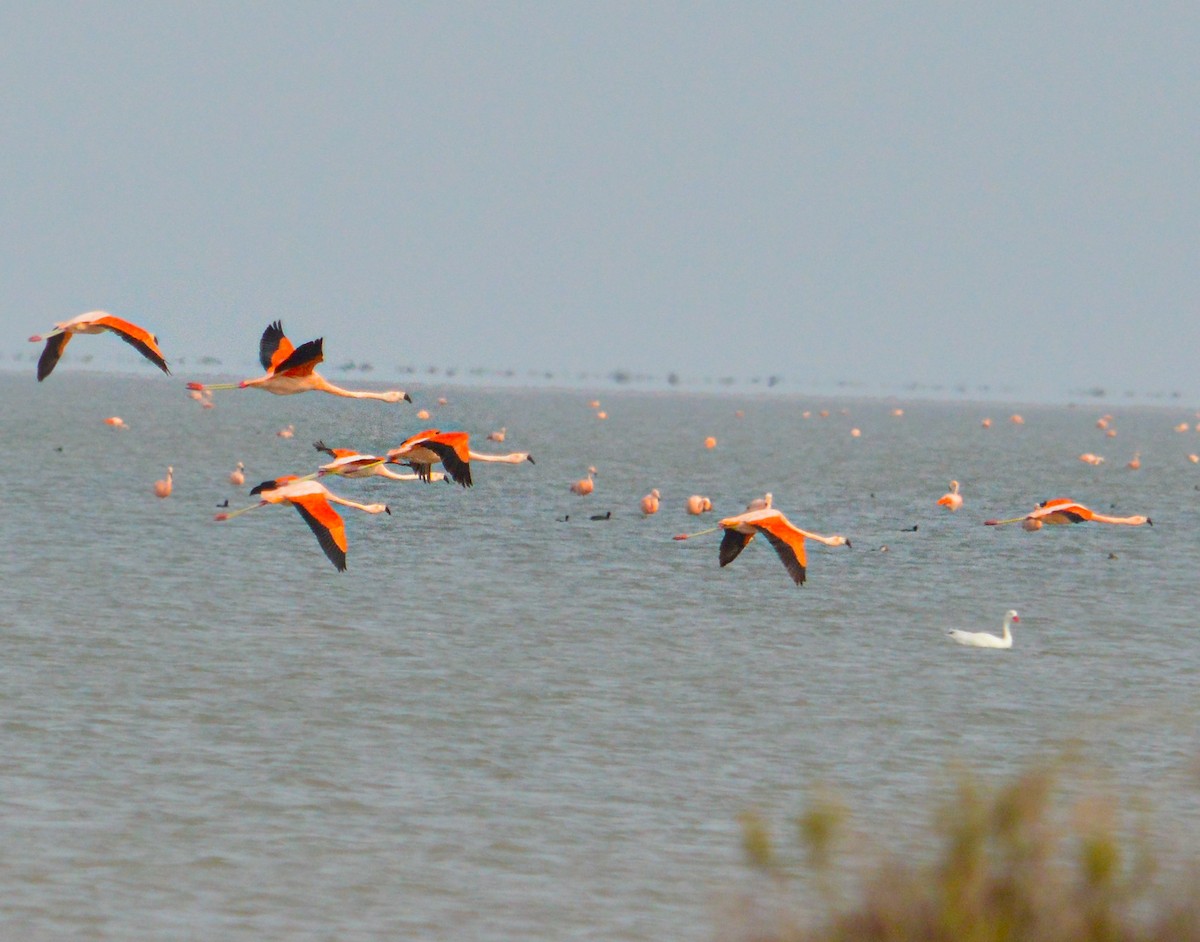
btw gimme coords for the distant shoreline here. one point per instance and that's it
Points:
(608, 384)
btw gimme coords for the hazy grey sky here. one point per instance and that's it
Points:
(878, 193)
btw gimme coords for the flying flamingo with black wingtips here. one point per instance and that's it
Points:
(348, 463)
(786, 538)
(312, 500)
(425, 449)
(95, 322)
(1063, 511)
(292, 370)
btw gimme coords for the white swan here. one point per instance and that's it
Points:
(981, 639)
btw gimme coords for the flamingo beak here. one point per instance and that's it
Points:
(848, 543)
(387, 510)
(407, 397)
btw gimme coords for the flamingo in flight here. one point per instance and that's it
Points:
(1062, 511)
(312, 500)
(982, 639)
(427, 448)
(95, 322)
(352, 464)
(951, 500)
(786, 538)
(292, 370)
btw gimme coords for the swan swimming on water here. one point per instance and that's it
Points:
(981, 639)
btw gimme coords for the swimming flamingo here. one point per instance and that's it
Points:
(761, 503)
(497, 436)
(287, 431)
(292, 370)
(352, 464)
(95, 322)
(427, 448)
(650, 503)
(781, 533)
(953, 500)
(1061, 511)
(1088, 458)
(697, 505)
(585, 486)
(163, 488)
(981, 639)
(116, 422)
(237, 476)
(312, 500)
(1136, 461)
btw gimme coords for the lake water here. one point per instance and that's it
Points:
(497, 725)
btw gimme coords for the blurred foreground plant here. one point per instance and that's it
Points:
(1014, 864)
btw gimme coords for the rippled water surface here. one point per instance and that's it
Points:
(499, 725)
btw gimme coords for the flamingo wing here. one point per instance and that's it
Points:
(50, 353)
(274, 347)
(453, 449)
(732, 543)
(303, 360)
(413, 440)
(1061, 510)
(324, 521)
(791, 551)
(334, 452)
(273, 484)
(137, 337)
